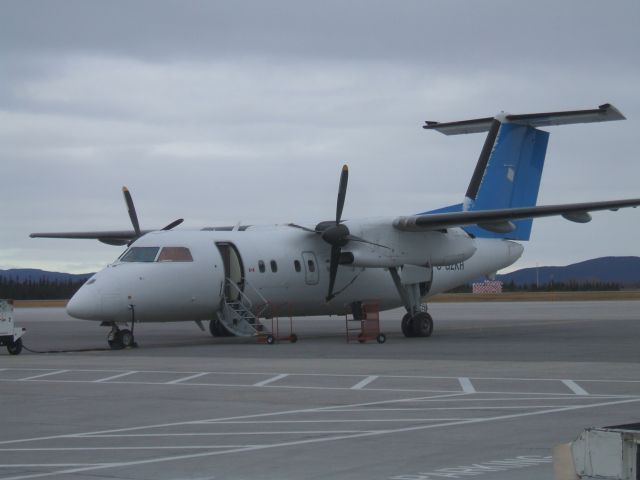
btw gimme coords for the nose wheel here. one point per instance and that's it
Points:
(120, 338)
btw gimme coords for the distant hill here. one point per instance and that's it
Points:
(25, 274)
(622, 270)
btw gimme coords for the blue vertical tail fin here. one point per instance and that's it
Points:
(509, 169)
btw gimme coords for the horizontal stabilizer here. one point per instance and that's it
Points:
(604, 113)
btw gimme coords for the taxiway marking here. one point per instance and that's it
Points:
(113, 377)
(365, 382)
(315, 440)
(467, 386)
(270, 380)
(55, 372)
(575, 388)
(184, 379)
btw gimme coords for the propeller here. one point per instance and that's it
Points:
(134, 216)
(336, 233)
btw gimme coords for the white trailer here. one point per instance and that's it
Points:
(10, 335)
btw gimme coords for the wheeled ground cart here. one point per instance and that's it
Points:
(365, 324)
(10, 335)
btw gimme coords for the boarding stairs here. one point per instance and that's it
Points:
(240, 316)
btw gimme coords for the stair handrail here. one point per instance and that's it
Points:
(243, 297)
(265, 302)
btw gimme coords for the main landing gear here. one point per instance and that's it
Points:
(416, 322)
(417, 325)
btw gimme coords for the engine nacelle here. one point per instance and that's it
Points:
(412, 248)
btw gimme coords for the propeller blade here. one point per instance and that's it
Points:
(301, 228)
(132, 210)
(174, 224)
(342, 192)
(333, 271)
(353, 238)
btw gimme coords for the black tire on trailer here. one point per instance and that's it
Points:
(381, 338)
(15, 347)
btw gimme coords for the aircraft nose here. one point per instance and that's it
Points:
(85, 304)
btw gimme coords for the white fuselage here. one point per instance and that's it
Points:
(285, 267)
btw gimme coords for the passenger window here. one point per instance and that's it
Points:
(175, 254)
(297, 266)
(312, 266)
(274, 266)
(261, 266)
(140, 254)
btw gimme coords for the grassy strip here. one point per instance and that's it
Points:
(537, 296)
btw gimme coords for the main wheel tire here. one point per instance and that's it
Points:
(422, 325)
(405, 325)
(14, 348)
(126, 338)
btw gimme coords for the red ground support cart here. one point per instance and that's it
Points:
(270, 336)
(365, 325)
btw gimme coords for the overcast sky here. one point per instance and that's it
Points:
(221, 112)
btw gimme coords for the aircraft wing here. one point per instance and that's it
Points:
(500, 220)
(111, 237)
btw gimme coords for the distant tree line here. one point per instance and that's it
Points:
(570, 286)
(41, 289)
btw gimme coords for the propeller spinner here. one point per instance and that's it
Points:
(336, 233)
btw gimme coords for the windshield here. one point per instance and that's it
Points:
(140, 254)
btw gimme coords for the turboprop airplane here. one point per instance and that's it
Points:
(233, 276)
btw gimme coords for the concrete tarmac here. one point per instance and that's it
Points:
(490, 394)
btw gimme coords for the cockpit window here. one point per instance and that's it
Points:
(140, 254)
(175, 254)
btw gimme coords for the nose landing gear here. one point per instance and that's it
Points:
(122, 338)
(119, 339)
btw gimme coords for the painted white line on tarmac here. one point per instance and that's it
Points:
(575, 388)
(343, 420)
(184, 379)
(270, 380)
(317, 440)
(466, 385)
(55, 372)
(510, 407)
(435, 377)
(113, 377)
(159, 447)
(224, 434)
(35, 465)
(303, 387)
(238, 417)
(365, 382)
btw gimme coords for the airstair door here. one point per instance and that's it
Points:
(233, 270)
(311, 268)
